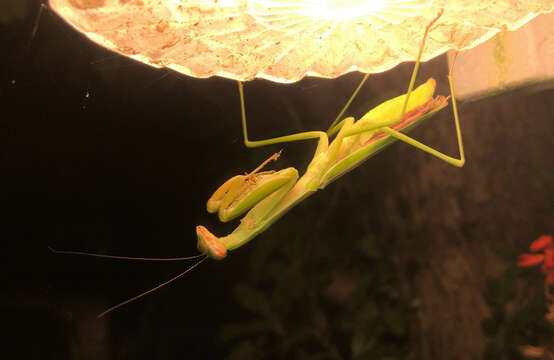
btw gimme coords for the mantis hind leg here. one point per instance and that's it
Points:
(449, 159)
(403, 137)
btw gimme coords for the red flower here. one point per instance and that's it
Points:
(548, 259)
(546, 244)
(541, 242)
(530, 259)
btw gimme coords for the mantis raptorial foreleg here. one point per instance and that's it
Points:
(241, 192)
(451, 160)
(355, 141)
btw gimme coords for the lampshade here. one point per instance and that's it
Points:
(285, 40)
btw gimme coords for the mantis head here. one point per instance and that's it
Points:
(210, 244)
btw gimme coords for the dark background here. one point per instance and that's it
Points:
(103, 154)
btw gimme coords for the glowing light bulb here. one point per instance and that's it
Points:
(343, 10)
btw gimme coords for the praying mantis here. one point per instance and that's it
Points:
(265, 196)
(268, 195)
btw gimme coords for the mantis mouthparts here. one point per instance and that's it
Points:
(210, 244)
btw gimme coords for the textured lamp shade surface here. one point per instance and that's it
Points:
(285, 40)
(510, 60)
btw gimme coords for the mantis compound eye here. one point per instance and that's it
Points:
(210, 244)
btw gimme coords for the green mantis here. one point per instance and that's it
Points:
(270, 194)
(265, 196)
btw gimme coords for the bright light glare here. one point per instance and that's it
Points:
(342, 9)
(285, 40)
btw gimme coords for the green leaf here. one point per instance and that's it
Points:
(233, 331)
(490, 326)
(319, 356)
(493, 352)
(367, 312)
(394, 320)
(500, 290)
(415, 304)
(299, 337)
(360, 344)
(507, 252)
(243, 350)
(251, 299)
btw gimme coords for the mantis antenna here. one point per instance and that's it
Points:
(105, 256)
(202, 257)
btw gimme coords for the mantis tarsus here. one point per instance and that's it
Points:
(268, 195)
